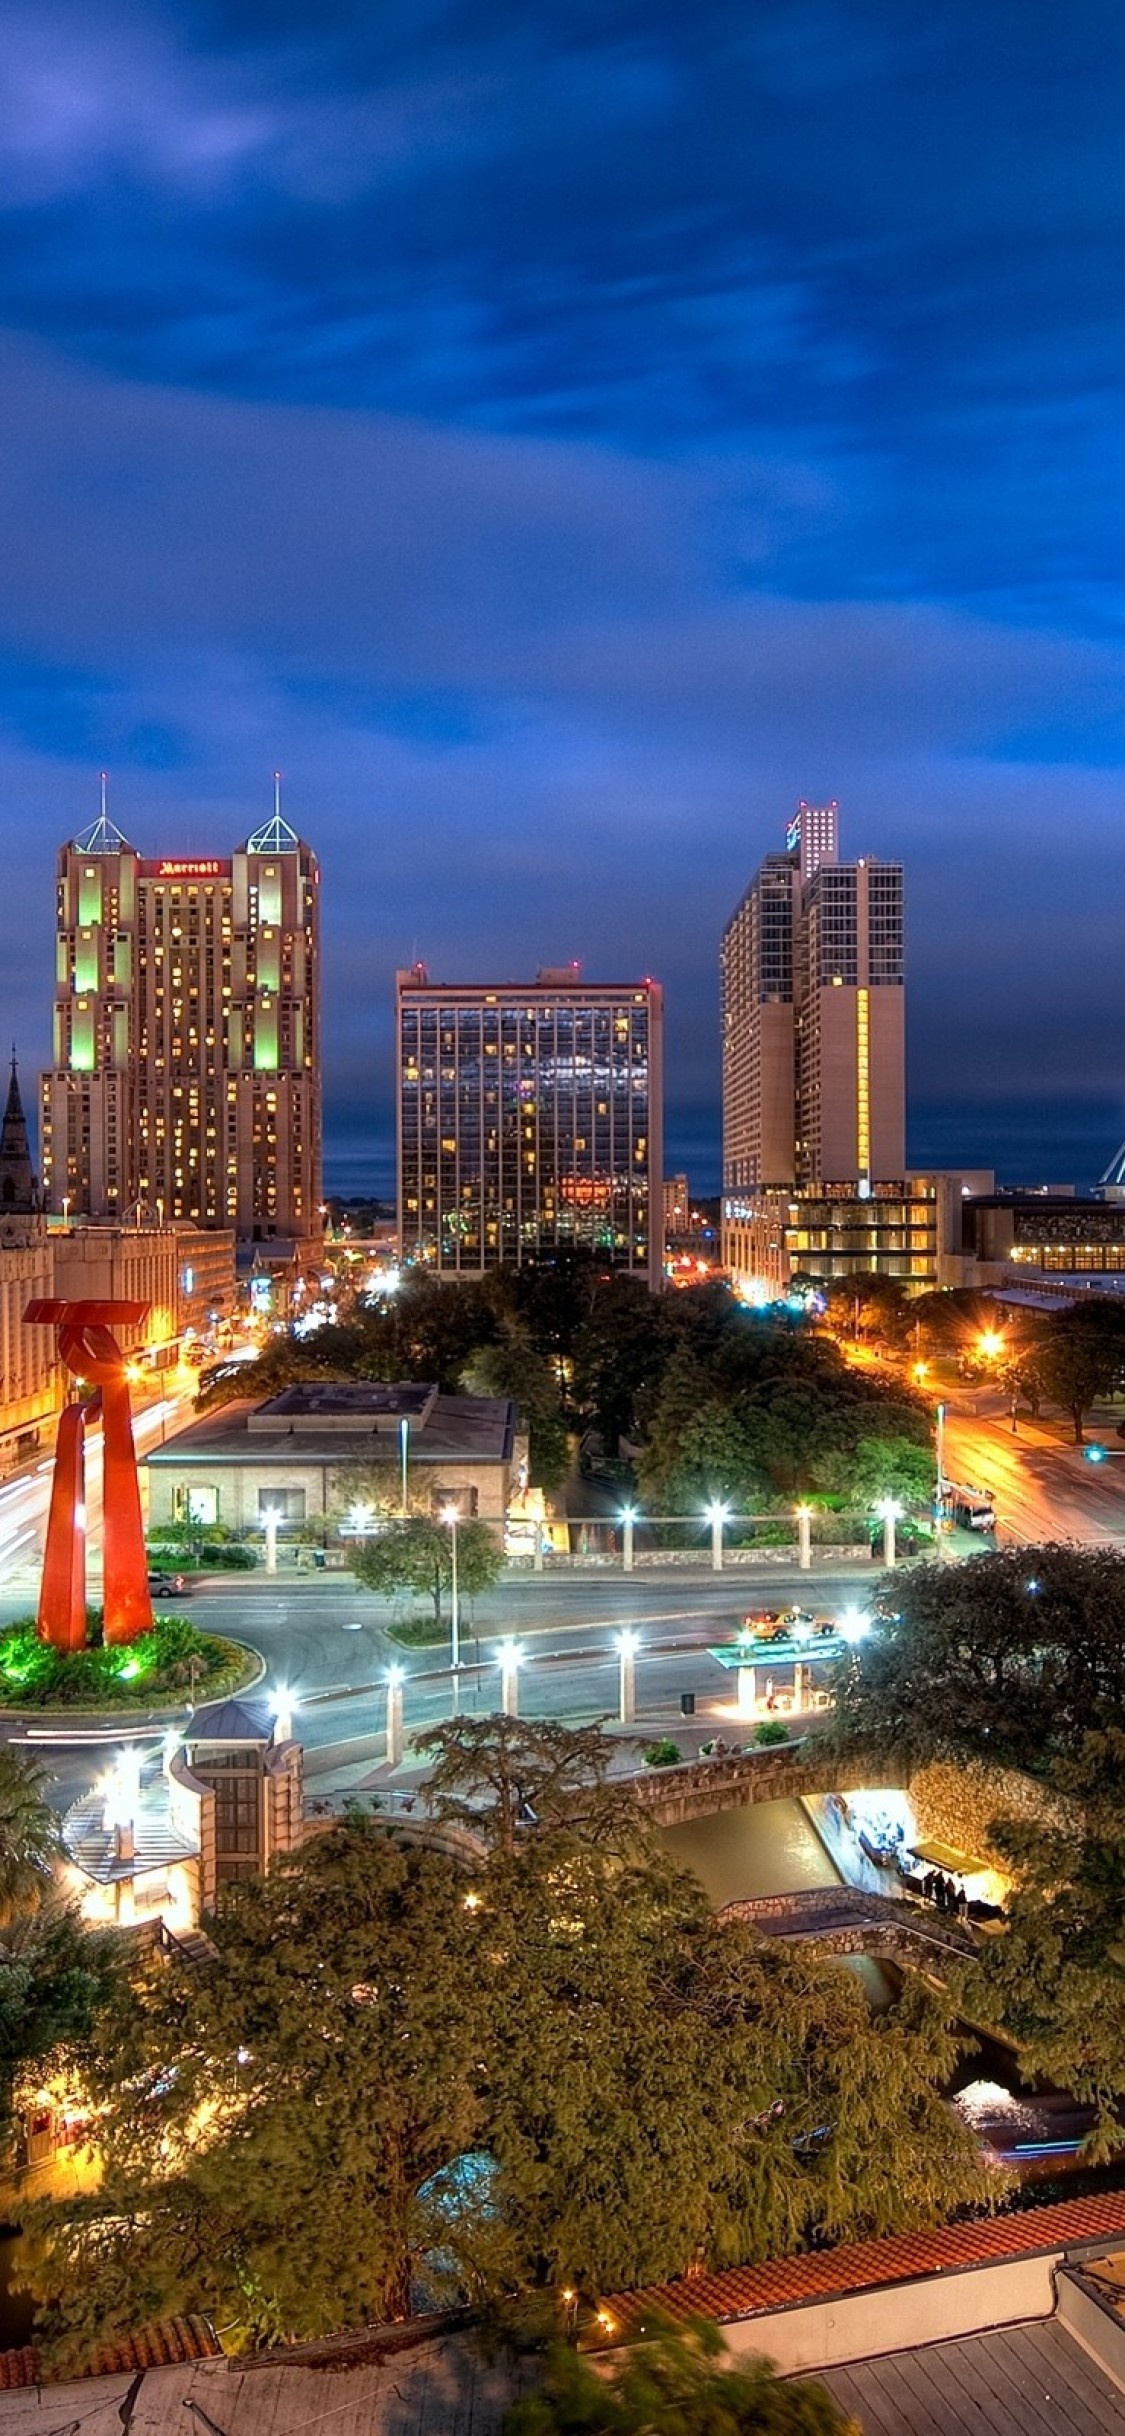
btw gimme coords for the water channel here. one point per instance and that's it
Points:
(764, 1848)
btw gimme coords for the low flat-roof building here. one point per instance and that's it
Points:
(300, 1454)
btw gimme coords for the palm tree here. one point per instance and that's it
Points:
(29, 1835)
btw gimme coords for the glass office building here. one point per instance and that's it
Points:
(530, 1121)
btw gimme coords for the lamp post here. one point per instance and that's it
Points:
(888, 1510)
(283, 1717)
(804, 1538)
(627, 1647)
(511, 1655)
(716, 1516)
(939, 1488)
(451, 1518)
(270, 1520)
(394, 1716)
(628, 1519)
(404, 1462)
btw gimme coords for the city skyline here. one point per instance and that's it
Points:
(560, 452)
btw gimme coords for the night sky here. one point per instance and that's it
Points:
(560, 437)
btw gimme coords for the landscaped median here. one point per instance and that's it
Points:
(171, 1664)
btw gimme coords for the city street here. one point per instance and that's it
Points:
(327, 1650)
(1043, 1487)
(25, 1495)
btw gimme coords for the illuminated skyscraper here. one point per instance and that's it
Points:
(812, 1015)
(530, 1121)
(186, 1073)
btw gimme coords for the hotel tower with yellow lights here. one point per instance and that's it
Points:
(813, 1036)
(185, 1082)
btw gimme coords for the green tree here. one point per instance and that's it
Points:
(675, 2383)
(499, 1775)
(29, 1835)
(1015, 1655)
(662, 2087)
(270, 2119)
(416, 1554)
(868, 1305)
(1056, 1980)
(889, 1467)
(513, 1367)
(1081, 1357)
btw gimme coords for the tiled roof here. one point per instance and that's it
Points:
(169, 2345)
(157, 1837)
(744, 2292)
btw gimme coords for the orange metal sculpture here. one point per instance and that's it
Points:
(92, 1354)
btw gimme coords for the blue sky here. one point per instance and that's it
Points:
(559, 438)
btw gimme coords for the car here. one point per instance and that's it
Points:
(764, 1624)
(169, 1586)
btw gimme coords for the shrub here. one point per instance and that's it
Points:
(164, 1663)
(772, 1729)
(663, 1754)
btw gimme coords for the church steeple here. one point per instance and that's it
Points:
(19, 1190)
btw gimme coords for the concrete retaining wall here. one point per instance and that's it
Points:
(933, 2309)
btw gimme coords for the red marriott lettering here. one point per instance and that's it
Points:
(210, 870)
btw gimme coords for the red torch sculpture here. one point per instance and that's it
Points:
(91, 1352)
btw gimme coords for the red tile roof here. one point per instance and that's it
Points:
(169, 2345)
(742, 2292)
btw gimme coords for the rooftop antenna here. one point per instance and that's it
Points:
(275, 836)
(103, 836)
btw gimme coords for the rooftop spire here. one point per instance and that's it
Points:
(103, 835)
(19, 1193)
(275, 836)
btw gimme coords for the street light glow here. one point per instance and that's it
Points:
(511, 1653)
(717, 1512)
(888, 1509)
(854, 1625)
(628, 1643)
(990, 1343)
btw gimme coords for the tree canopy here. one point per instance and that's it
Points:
(543, 2065)
(1014, 1655)
(773, 1413)
(53, 1973)
(415, 1552)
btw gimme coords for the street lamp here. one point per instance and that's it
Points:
(889, 1511)
(283, 1716)
(804, 1537)
(628, 1519)
(451, 1518)
(716, 1516)
(394, 1716)
(270, 1520)
(511, 1659)
(854, 1626)
(361, 1516)
(628, 1644)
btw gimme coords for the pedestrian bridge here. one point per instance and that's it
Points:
(845, 1920)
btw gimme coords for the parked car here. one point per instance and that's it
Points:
(170, 1586)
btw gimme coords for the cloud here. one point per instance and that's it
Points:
(559, 440)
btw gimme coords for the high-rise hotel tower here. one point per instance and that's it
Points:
(530, 1121)
(814, 1090)
(186, 1073)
